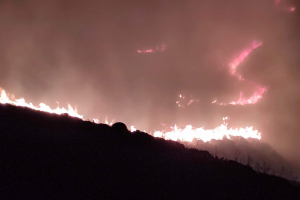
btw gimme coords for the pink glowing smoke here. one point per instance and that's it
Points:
(158, 49)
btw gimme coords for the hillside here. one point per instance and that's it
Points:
(48, 156)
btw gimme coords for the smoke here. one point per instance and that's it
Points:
(260, 156)
(85, 53)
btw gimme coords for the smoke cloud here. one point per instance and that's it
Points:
(96, 55)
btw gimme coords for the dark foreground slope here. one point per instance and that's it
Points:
(44, 156)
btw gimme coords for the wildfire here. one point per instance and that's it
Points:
(183, 101)
(5, 99)
(158, 48)
(187, 134)
(237, 61)
(252, 100)
(257, 95)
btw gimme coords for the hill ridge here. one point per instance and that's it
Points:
(57, 156)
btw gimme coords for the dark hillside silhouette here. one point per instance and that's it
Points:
(48, 156)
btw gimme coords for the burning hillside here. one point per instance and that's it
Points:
(187, 134)
(221, 76)
(44, 154)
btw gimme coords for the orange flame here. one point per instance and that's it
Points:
(4, 99)
(177, 134)
(189, 133)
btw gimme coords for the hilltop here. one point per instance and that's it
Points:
(49, 156)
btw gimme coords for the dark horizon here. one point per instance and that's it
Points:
(62, 157)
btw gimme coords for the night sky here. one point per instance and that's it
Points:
(85, 53)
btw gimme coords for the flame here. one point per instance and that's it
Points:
(191, 101)
(4, 99)
(237, 61)
(246, 101)
(187, 134)
(233, 71)
(132, 128)
(185, 101)
(158, 48)
(252, 100)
